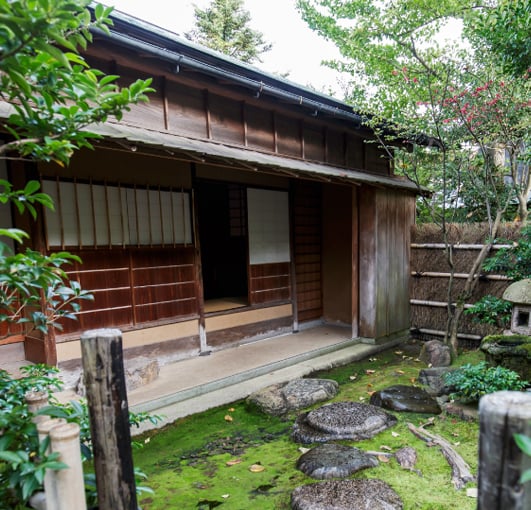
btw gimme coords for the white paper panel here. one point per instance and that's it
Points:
(268, 216)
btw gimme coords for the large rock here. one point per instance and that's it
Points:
(280, 399)
(436, 354)
(371, 494)
(405, 398)
(341, 420)
(334, 461)
(138, 371)
(433, 380)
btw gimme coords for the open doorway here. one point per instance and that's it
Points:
(222, 218)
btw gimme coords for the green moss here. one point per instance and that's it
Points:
(186, 462)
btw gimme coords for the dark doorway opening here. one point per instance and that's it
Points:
(222, 216)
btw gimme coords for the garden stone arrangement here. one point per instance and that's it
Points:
(330, 422)
(280, 399)
(341, 420)
(405, 399)
(370, 494)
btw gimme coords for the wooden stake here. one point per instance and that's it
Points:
(501, 462)
(103, 367)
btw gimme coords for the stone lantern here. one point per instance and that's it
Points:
(519, 294)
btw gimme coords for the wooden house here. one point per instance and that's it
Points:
(234, 206)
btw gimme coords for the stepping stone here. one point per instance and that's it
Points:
(405, 398)
(280, 399)
(341, 420)
(436, 354)
(334, 461)
(371, 494)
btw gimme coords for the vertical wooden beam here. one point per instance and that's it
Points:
(165, 105)
(203, 346)
(355, 263)
(244, 123)
(293, 267)
(368, 267)
(206, 105)
(102, 357)
(275, 133)
(301, 137)
(501, 462)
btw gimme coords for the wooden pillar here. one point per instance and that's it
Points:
(101, 352)
(501, 462)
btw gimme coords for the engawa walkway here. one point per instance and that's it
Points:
(194, 385)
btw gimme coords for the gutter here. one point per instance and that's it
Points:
(178, 60)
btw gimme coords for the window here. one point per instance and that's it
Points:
(91, 215)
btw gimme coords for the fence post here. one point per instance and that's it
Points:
(69, 483)
(50, 486)
(101, 352)
(501, 462)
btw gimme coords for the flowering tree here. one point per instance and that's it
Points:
(444, 108)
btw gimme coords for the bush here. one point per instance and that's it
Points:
(470, 382)
(23, 460)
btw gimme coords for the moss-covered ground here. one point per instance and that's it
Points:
(236, 458)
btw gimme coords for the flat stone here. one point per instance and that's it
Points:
(334, 461)
(341, 420)
(406, 457)
(370, 494)
(436, 354)
(140, 371)
(280, 399)
(405, 399)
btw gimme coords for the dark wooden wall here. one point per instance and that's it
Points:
(188, 104)
(307, 238)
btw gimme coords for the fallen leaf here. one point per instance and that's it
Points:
(395, 434)
(373, 359)
(383, 458)
(457, 444)
(398, 353)
(417, 360)
(369, 385)
(371, 393)
(385, 447)
(304, 450)
(228, 417)
(413, 380)
(233, 462)
(231, 410)
(362, 398)
(256, 468)
(455, 434)
(353, 377)
(399, 372)
(225, 496)
(369, 372)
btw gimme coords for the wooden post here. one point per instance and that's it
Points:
(36, 400)
(69, 482)
(501, 462)
(50, 486)
(103, 367)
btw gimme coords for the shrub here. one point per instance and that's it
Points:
(470, 382)
(23, 460)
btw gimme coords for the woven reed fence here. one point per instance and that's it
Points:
(430, 275)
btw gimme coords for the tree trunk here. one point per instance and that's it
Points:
(470, 285)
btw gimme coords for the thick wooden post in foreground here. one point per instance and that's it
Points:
(101, 351)
(501, 462)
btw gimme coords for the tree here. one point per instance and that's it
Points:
(224, 26)
(49, 97)
(443, 109)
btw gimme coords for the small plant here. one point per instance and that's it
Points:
(524, 443)
(23, 460)
(470, 382)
